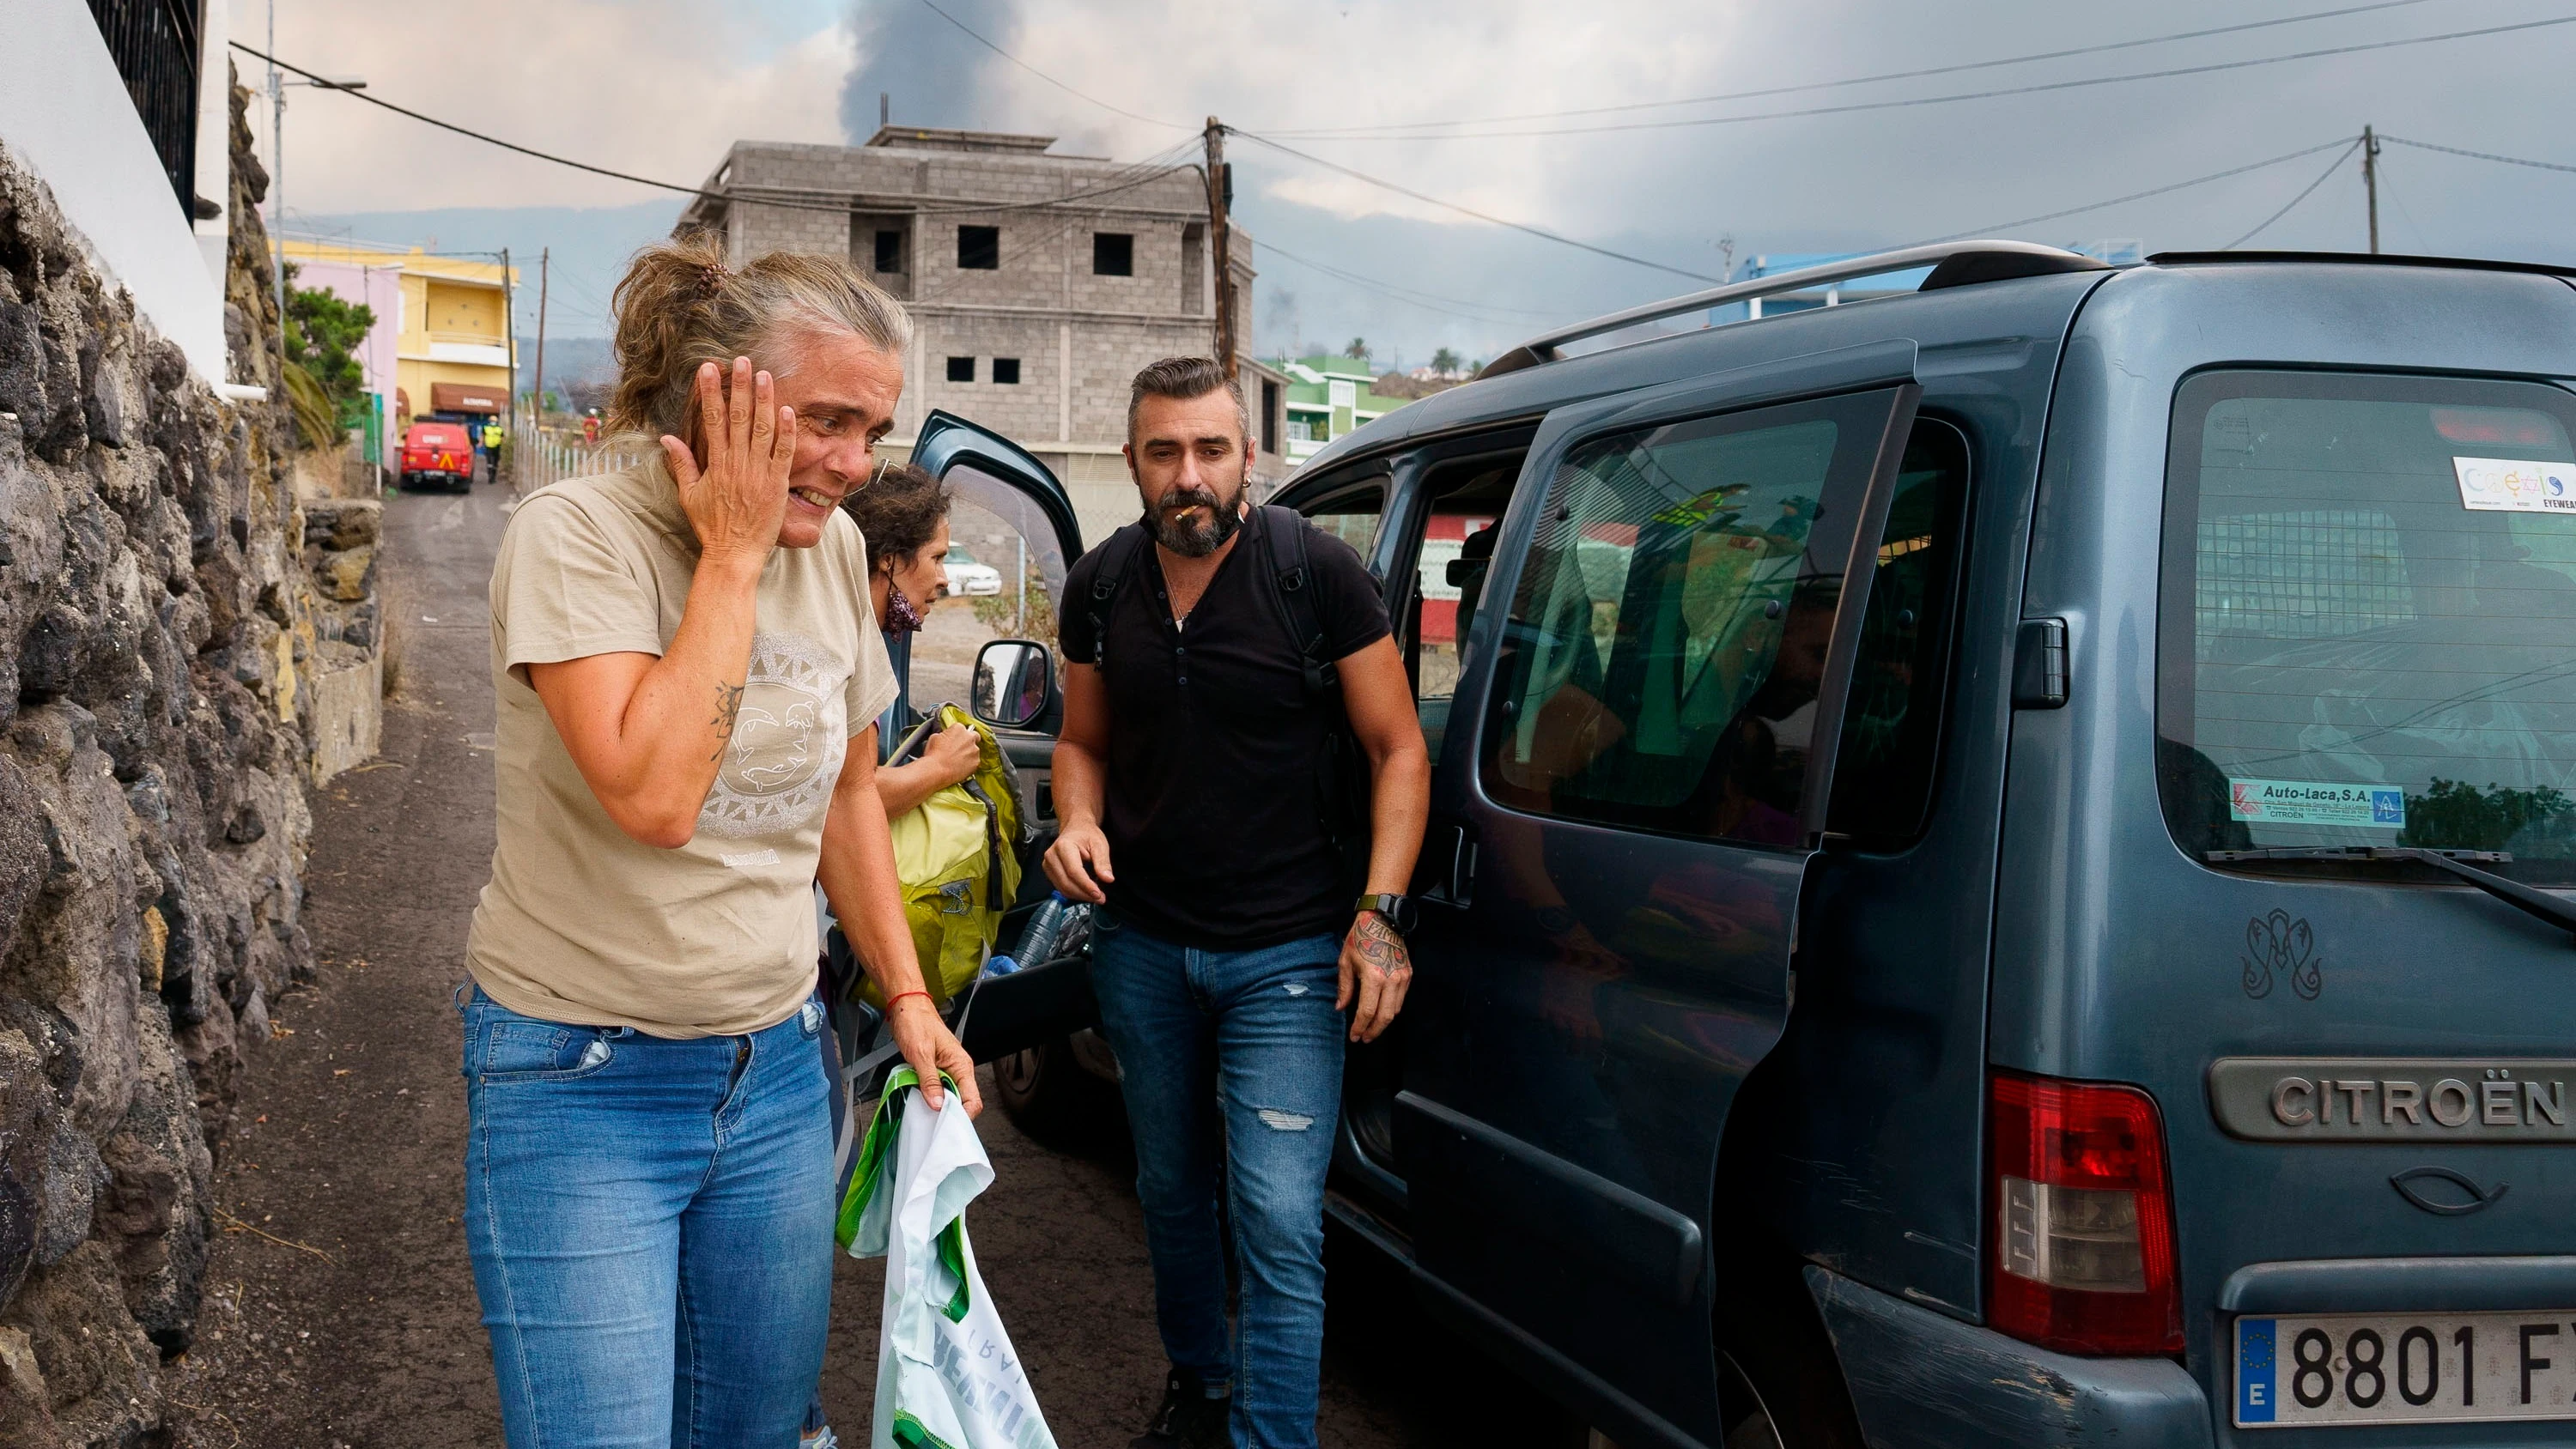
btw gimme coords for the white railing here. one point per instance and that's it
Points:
(539, 456)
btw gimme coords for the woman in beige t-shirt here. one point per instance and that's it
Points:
(688, 682)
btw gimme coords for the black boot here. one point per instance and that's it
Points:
(1188, 1419)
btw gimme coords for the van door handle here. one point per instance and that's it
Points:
(1447, 874)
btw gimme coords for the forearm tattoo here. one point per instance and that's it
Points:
(728, 705)
(1380, 948)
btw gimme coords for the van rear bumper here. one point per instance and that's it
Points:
(1919, 1378)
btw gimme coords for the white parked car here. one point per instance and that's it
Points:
(968, 577)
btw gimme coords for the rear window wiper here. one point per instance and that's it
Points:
(2554, 910)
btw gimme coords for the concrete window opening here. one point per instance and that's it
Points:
(979, 248)
(881, 246)
(1113, 254)
(1006, 370)
(1194, 302)
(1270, 410)
(961, 369)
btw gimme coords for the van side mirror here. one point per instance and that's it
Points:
(1014, 683)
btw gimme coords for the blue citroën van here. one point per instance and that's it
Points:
(1997, 861)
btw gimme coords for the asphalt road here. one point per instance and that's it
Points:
(340, 1310)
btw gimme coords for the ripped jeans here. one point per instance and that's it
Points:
(650, 1223)
(1252, 1035)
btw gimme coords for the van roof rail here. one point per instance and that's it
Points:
(1953, 264)
(2367, 259)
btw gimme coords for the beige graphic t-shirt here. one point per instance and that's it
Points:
(582, 923)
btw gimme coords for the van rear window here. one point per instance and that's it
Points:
(2368, 617)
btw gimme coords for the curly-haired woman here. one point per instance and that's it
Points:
(688, 682)
(904, 517)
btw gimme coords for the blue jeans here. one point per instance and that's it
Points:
(651, 1228)
(1252, 1035)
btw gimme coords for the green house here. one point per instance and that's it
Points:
(1327, 397)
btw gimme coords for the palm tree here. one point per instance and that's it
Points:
(1358, 351)
(1444, 362)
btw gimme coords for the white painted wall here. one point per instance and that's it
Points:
(214, 138)
(65, 115)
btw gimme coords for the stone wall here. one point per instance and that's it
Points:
(158, 635)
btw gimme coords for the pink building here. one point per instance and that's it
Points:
(377, 286)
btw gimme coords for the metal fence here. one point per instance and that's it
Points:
(156, 48)
(539, 456)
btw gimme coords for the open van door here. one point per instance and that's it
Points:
(1012, 507)
(1632, 784)
(1012, 514)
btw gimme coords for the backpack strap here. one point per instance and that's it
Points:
(1117, 556)
(1283, 539)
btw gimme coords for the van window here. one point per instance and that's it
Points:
(1458, 537)
(1353, 517)
(1885, 766)
(2368, 592)
(1670, 626)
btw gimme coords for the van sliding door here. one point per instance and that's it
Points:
(1633, 778)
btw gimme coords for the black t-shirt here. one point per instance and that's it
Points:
(1212, 814)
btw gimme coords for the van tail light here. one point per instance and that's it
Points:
(2082, 1257)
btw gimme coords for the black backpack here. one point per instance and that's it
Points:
(1341, 769)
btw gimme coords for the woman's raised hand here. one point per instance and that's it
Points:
(738, 500)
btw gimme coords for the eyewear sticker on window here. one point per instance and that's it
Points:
(2515, 485)
(2296, 802)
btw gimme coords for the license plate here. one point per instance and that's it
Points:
(2405, 1368)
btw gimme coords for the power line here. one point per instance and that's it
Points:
(1535, 231)
(1042, 75)
(2007, 226)
(2423, 243)
(782, 203)
(1428, 301)
(2478, 155)
(2310, 190)
(488, 140)
(1858, 107)
(1320, 133)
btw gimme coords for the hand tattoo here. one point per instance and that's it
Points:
(1380, 948)
(728, 705)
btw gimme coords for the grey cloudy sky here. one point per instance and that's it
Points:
(661, 86)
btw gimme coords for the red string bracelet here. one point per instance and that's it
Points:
(900, 995)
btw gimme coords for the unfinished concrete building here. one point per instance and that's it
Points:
(1038, 283)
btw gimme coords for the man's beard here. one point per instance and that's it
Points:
(1194, 540)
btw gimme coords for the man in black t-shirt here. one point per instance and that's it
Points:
(1230, 934)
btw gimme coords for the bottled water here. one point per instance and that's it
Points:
(1059, 926)
(1039, 939)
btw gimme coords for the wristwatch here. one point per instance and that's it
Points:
(1397, 911)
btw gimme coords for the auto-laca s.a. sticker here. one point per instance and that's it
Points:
(2515, 485)
(2306, 802)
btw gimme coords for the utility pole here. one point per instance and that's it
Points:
(510, 336)
(538, 393)
(277, 188)
(1220, 183)
(2370, 181)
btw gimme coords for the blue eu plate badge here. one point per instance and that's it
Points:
(2254, 1370)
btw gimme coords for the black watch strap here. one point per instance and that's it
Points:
(1398, 911)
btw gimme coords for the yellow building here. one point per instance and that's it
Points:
(442, 340)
